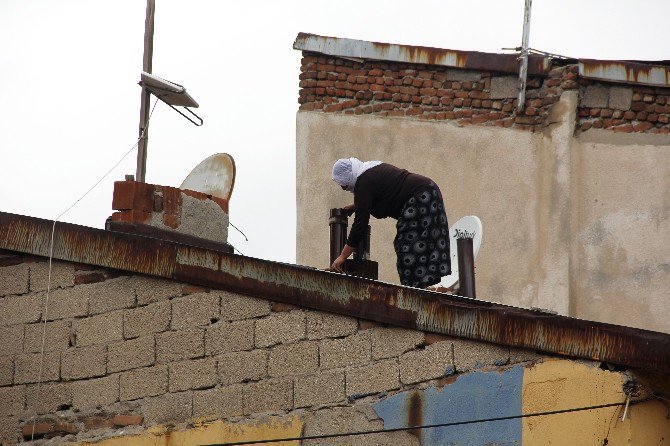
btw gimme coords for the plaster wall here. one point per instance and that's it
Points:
(575, 224)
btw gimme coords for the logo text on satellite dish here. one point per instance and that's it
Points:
(461, 233)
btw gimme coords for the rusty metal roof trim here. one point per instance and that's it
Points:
(356, 297)
(625, 72)
(470, 60)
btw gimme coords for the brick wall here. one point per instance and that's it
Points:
(336, 85)
(624, 108)
(128, 350)
(169, 208)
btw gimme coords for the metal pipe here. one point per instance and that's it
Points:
(466, 268)
(363, 249)
(147, 63)
(523, 70)
(338, 222)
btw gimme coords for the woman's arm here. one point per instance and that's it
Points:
(339, 262)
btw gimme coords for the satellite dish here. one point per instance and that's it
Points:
(469, 226)
(213, 176)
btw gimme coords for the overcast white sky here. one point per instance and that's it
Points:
(69, 99)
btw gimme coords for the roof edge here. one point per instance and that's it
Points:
(471, 60)
(352, 296)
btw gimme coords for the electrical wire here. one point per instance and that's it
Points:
(51, 251)
(428, 426)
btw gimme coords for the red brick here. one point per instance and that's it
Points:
(41, 429)
(465, 113)
(132, 195)
(585, 126)
(597, 124)
(629, 115)
(449, 115)
(417, 83)
(653, 117)
(131, 216)
(396, 113)
(127, 420)
(476, 103)
(643, 126)
(428, 91)
(638, 106)
(65, 427)
(663, 119)
(626, 128)
(376, 72)
(333, 108)
(98, 423)
(607, 123)
(478, 95)
(171, 206)
(531, 111)
(552, 83)
(479, 119)
(649, 98)
(641, 116)
(280, 307)
(376, 87)
(414, 111)
(461, 94)
(94, 277)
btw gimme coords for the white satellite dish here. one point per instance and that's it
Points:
(213, 176)
(468, 226)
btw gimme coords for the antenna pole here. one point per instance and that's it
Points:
(144, 107)
(523, 70)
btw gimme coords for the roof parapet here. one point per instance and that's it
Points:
(470, 60)
(625, 72)
(353, 296)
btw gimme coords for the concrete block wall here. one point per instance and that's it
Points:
(169, 208)
(126, 350)
(156, 361)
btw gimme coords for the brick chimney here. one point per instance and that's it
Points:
(170, 213)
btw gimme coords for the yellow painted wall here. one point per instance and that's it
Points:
(212, 433)
(564, 384)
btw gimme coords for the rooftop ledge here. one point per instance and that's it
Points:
(653, 73)
(357, 297)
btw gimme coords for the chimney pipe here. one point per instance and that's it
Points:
(466, 267)
(338, 222)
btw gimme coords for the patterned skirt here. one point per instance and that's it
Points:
(422, 241)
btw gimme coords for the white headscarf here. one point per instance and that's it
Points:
(347, 170)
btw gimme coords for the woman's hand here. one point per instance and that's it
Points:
(338, 264)
(349, 209)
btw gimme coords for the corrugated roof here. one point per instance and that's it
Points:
(352, 296)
